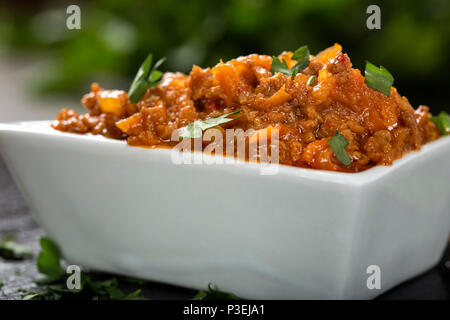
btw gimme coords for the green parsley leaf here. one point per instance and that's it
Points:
(1, 283)
(115, 294)
(301, 55)
(62, 288)
(378, 78)
(146, 77)
(159, 63)
(442, 121)
(110, 289)
(106, 287)
(44, 295)
(11, 250)
(194, 129)
(280, 66)
(48, 280)
(155, 76)
(201, 295)
(136, 295)
(213, 293)
(49, 259)
(140, 84)
(311, 80)
(32, 295)
(338, 144)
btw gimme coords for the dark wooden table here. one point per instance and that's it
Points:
(19, 276)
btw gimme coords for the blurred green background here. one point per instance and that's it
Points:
(413, 43)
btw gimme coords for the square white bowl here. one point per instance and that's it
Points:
(299, 234)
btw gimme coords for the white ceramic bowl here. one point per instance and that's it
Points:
(298, 234)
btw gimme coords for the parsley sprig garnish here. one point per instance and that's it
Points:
(195, 129)
(146, 77)
(280, 66)
(379, 79)
(338, 144)
(442, 121)
(301, 55)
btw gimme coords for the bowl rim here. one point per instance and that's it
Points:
(353, 178)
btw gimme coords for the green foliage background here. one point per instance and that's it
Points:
(413, 42)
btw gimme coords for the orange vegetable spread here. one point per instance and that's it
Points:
(378, 128)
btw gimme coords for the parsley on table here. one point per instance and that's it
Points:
(213, 293)
(49, 259)
(379, 79)
(338, 144)
(49, 264)
(44, 295)
(11, 250)
(194, 129)
(146, 77)
(135, 295)
(442, 121)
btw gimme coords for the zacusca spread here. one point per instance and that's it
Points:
(307, 107)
